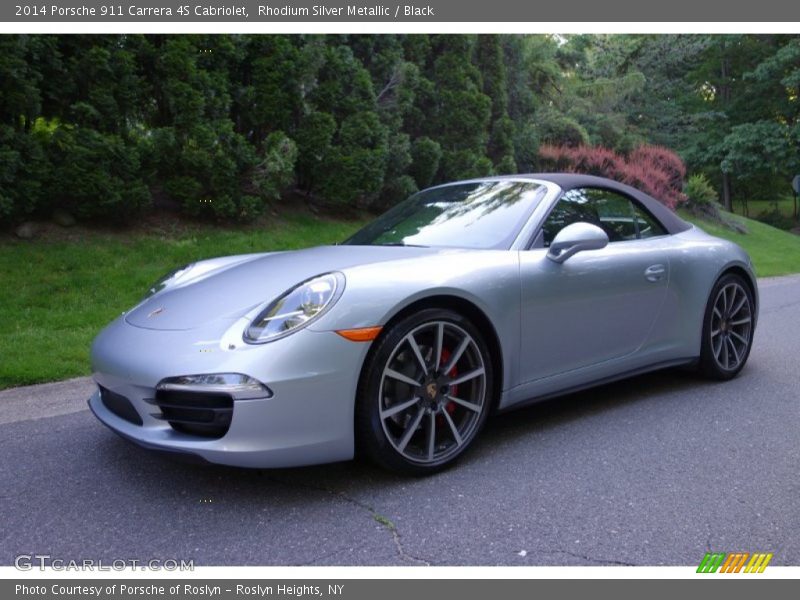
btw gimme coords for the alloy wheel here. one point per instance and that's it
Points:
(731, 326)
(432, 392)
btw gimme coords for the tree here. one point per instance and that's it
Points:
(761, 152)
(314, 138)
(460, 113)
(490, 61)
(727, 101)
(271, 99)
(216, 126)
(23, 163)
(356, 164)
(96, 174)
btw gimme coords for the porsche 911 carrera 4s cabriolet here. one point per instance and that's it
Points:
(466, 299)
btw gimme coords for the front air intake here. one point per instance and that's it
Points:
(204, 414)
(119, 405)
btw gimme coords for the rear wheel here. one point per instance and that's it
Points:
(425, 394)
(727, 328)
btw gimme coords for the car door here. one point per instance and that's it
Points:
(598, 305)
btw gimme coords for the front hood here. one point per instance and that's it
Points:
(232, 291)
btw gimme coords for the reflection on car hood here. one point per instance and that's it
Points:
(243, 283)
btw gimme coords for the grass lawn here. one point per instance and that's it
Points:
(774, 252)
(55, 295)
(58, 291)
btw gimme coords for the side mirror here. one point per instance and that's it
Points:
(576, 238)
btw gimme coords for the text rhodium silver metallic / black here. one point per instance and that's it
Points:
(324, 10)
(467, 298)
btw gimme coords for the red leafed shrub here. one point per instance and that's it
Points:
(651, 181)
(662, 159)
(592, 160)
(653, 169)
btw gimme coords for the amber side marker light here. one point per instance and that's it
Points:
(364, 334)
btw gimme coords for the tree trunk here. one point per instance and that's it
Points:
(726, 192)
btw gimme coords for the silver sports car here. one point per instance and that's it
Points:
(467, 298)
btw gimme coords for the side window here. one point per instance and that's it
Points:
(573, 207)
(617, 215)
(648, 226)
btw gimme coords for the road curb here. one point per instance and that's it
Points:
(45, 400)
(778, 280)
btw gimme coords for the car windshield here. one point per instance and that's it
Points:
(479, 214)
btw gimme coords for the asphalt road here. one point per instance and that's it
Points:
(651, 471)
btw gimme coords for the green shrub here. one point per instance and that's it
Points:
(6, 208)
(464, 164)
(506, 166)
(702, 201)
(396, 190)
(275, 172)
(354, 170)
(184, 189)
(526, 147)
(96, 175)
(314, 136)
(24, 168)
(204, 169)
(699, 190)
(501, 145)
(425, 157)
(398, 155)
(249, 207)
(560, 129)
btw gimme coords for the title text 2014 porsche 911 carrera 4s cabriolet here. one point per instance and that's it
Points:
(467, 298)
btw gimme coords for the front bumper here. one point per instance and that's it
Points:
(308, 419)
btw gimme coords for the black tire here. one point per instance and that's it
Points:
(728, 327)
(431, 433)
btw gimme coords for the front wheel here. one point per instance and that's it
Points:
(727, 328)
(425, 392)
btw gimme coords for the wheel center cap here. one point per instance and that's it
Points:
(431, 389)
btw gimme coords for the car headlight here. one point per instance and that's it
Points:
(236, 385)
(295, 309)
(168, 279)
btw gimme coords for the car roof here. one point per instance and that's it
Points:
(569, 181)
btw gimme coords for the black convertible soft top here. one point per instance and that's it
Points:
(568, 181)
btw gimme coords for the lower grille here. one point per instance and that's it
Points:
(205, 414)
(120, 406)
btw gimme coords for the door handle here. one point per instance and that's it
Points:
(655, 272)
